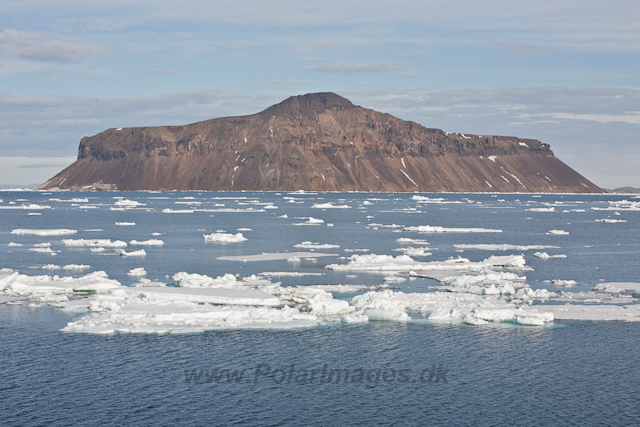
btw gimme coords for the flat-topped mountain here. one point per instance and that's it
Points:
(318, 141)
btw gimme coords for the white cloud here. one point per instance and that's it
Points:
(40, 47)
(30, 171)
(363, 68)
(633, 118)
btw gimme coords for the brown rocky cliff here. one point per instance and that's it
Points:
(315, 142)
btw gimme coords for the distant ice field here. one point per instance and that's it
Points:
(480, 266)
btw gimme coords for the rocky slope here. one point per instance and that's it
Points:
(317, 141)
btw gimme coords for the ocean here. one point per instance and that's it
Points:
(369, 352)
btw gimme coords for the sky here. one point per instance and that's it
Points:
(566, 72)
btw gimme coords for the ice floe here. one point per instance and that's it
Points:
(545, 255)
(438, 229)
(54, 289)
(137, 272)
(550, 209)
(150, 242)
(50, 232)
(128, 203)
(564, 283)
(274, 256)
(104, 243)
(329, 206)
(224, 238)
(503, 247)
(124, 253)
(310, 221)
(315, 245)
(404, 263)
(558, 232)
(177, 211)
(618, 287)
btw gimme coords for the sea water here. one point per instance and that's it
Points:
(381, 372)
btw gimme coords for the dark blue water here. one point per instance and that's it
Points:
(575, 373)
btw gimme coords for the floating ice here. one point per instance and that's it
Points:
(14, 245)
(224, 238)
(274, 256)
(310, 221)
(394, 279)
(410, 240)
(315, 245)
(76, 267)
(43, 250)
(329, 205)
(137, 272)
(185, 317)
(621, 205)
(234, 210)
(435, 200)
(122, 252)
(404, 263)
(599, 312)
(150, 242)
(50, 232)
(439, 306)
(550, 209)
(503, 247)
(415, 251)
(288, 274)
(177, 211)
(125, 223)
(558, 232)
(564, 283)
(30, 206)
(128, 203)
(438, 229)
(618, 287)
(611, 221)
(545, 255)
(354, 318)
(105, 243)
(323, 304)
(51, 288)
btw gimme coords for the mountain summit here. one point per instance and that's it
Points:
(318, 141)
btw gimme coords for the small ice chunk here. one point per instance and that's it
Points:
(139, 253)
(137, 272)
(564, 283)
(150, 242)
(76, 267)
(315, 245)
(105, 243)
(50, 232)
(329, 205)
(545, 255)
(224, 238)
(438, 229)
(558, 232)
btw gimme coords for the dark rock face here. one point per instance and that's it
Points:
(318, 141)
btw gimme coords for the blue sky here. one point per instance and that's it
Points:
(564, 72)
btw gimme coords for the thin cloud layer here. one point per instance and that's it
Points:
(41, 48)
